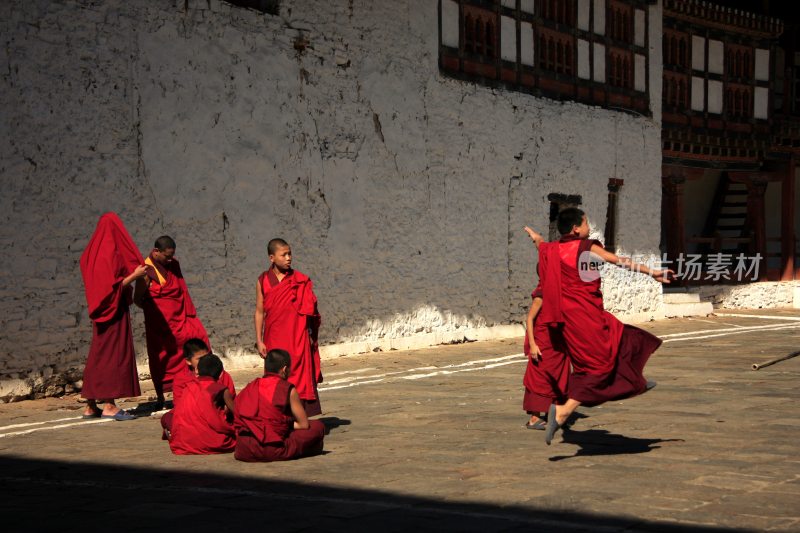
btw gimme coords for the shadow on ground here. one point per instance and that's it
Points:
(64, 496)
(602, 442)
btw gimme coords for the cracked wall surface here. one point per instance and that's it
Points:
(403, 192)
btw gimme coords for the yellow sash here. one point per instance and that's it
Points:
(161, 279)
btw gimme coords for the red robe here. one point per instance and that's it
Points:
(182, 379)
(199, 424)
(110, 256)
(291, 323)
(546, 380)
(170, 319)
(608, 357)
(264, 424)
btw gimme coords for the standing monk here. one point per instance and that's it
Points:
(170, 318)
(109, 264)
(286, 318)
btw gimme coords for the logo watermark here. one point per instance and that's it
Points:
(687, 267)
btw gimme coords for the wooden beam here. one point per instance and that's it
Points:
(787, 223)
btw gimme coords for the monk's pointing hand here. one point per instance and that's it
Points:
(535, 237)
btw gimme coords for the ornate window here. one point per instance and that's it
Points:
(593, 52)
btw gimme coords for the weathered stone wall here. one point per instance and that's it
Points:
(403, 192)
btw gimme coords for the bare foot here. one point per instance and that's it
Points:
(110, 409)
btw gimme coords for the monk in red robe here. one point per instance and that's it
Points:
(170, 318)
(202, 424)
(271, 422)
(193, 351)
(109, 264)
(607, 356)
(287, 318)
(547, 373)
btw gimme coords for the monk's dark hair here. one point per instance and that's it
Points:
(165, 242)
(192, 346)
(568, 219)
(274, 244)
(209, 365)
(276, 359)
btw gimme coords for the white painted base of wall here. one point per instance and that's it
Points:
(759, 295)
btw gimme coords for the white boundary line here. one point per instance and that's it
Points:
(765, 317)
(60, 426)
(12, 426)
(725, 330)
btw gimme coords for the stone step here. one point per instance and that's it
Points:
(681, 297)
(688, 309)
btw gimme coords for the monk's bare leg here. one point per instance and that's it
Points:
(91, 408)
(564, 411)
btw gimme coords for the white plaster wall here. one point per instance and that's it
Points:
(402, 191)
(761, 295)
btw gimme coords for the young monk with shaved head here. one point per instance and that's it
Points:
(287, 318)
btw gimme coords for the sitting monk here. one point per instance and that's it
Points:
(200, 424)
(193, 350)
(271, 424)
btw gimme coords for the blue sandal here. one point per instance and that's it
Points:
(120, 416)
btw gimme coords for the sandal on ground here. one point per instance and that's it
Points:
(120, 415)
(539, 424)
(94, 414)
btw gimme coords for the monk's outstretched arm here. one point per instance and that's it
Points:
(662, 276)
(258, 319)
(535, 237)
(298, 411)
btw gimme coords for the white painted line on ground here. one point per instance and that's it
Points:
(13, 426)
(737, 332)
(723, 330)
(455, 365)
(344, 372)
(445, 372)
(765, 317)
(353, 378)
(60, 426)
(353, 384)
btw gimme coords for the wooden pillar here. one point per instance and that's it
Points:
(672, 215)
(787, 223)
(756, 187)
(614, 185)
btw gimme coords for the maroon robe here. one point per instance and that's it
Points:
(291, 323)
(264, 424)
(170, 319)
(608, 357)
(199, 424)
(110, 256)
(546, 380)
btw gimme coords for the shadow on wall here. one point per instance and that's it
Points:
(103, 497)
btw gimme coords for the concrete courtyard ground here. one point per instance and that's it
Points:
(434, 440)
